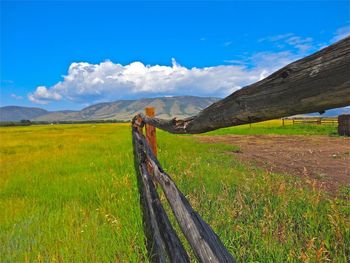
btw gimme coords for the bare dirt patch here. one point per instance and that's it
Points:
(326, 159)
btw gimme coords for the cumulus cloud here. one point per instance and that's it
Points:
(42, 95)
(108, 81)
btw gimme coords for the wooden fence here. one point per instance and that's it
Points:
(310, 120)
(315, 83)
(162, 242)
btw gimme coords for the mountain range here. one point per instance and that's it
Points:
(165, 107)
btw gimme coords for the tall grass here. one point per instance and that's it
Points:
(276, 127)
(69, 193)
(260, 216)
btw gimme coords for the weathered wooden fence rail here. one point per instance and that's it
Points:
(205, 243)
(163, 244)
(310, 120)
(313, 84)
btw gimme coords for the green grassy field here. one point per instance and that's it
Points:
(275, 127)
(68, 193)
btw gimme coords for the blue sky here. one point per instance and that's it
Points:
(67, 55)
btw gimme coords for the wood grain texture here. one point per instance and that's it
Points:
(344, 125)
(203, 240)
(315, 83)
(151, 131)
(163, 244)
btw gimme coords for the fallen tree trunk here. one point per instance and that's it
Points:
(315, 83)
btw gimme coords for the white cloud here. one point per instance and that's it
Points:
(341, 33)
(276, 38)
(16, 96)
(108, 81)
(42, 95)
(266, 61)
(302, 44)
(273, 60)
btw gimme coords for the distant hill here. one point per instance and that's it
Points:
(16, 113)
(166, 107)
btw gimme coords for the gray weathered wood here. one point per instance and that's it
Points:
(315, 83)
(344, 125)
(203, 240)
(163, 244)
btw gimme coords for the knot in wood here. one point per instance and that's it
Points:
(285, 74)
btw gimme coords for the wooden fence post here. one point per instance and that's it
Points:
(151, 131)
(139, 120)
(344, 124)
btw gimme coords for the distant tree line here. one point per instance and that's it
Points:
(29, 122)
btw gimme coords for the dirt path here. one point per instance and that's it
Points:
(326, 159)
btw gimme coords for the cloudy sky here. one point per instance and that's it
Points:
(67, 55)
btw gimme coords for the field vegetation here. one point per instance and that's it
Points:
(276, 127)
(69, 193)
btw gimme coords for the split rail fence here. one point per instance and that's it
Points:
(315, 83)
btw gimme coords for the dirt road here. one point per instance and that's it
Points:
(324, 158)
